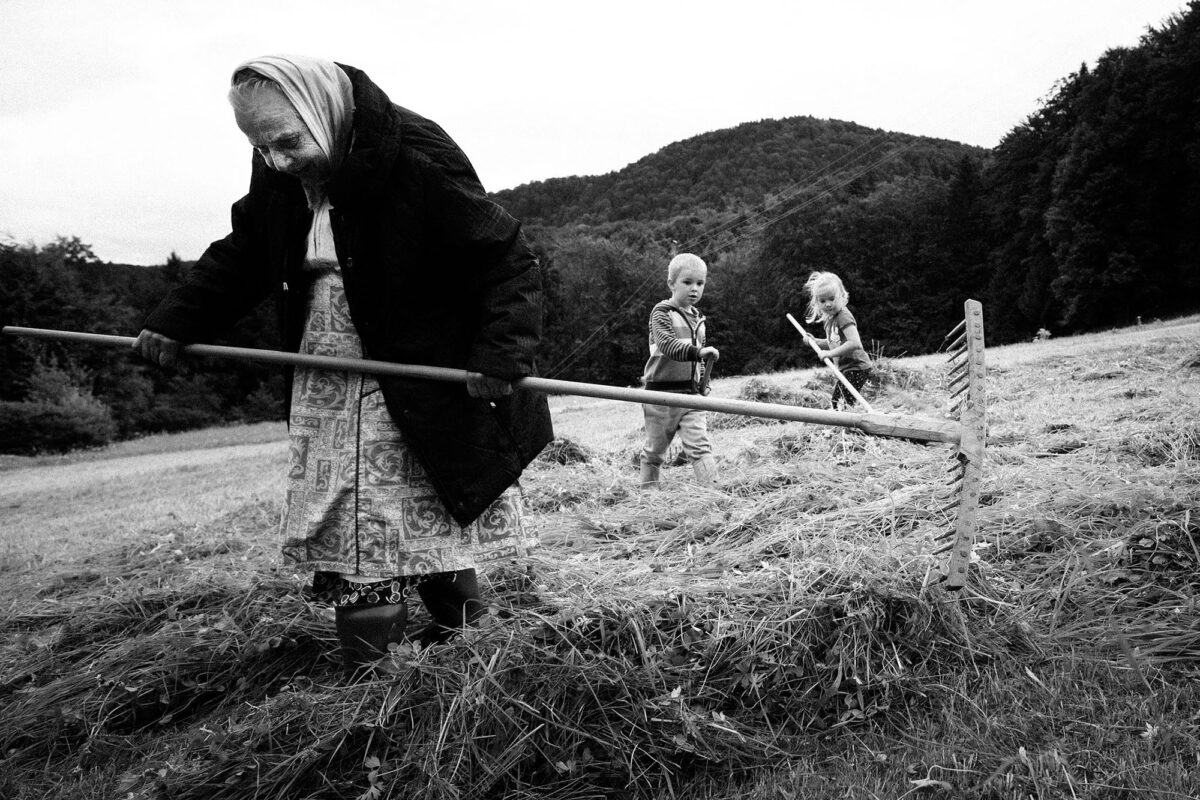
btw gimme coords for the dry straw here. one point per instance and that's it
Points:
(657, 640)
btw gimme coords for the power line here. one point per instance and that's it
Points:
(780, 199)
(788, 192)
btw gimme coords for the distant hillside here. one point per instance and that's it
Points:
(727, 171)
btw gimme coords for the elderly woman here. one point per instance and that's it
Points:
(369, 226)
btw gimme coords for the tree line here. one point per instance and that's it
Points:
(1082, 217)
(56, 396)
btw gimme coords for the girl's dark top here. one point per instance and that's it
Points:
(435, 273)
(835, 326)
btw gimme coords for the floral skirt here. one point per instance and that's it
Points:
(358, 500)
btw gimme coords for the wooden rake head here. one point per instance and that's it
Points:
(967, 378)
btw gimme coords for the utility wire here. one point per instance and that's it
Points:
(780, 199)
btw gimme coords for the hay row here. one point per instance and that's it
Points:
(594, 671)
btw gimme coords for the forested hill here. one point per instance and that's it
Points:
(728, 171)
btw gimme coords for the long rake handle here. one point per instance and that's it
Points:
(873, 424)
(808, 337)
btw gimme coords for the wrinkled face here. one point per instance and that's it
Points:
(829, 300)
(688, 286)
(276, 131)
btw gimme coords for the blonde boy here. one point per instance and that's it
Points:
(676, 364)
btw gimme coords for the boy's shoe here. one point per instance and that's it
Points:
(649, 477)
(705, 468)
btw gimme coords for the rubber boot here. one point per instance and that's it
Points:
(705, 468)
(366, 631)
(649, 479)
(452, 599)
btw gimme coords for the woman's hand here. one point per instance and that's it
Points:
(485, 387)
(161, 350)
(710, 352)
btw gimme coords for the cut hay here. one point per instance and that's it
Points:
(133, 656)
(565, 688)
(888, 374)
(815, 393)
(783, 634)
(645, 651)
(1164, 444)
(564, 451)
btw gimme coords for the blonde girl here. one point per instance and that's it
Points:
(827, 304)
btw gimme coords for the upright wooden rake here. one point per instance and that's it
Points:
(967, 377)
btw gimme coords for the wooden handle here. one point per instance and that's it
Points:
(875, 424)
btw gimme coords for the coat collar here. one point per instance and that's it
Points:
(374, 147)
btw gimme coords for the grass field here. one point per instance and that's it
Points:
(783, 635)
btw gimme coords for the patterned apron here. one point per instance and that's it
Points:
(358, 501)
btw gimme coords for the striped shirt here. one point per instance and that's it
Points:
(676, 337)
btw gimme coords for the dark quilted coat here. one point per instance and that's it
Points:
(435, 273)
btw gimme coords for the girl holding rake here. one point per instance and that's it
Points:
(827, 304)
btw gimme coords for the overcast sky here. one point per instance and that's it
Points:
(114, 125)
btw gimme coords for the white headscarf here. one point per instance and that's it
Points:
(321, 93)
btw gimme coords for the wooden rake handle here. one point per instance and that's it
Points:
(706, 375)
(903, 427)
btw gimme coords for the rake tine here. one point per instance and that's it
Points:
(943, 548)
(946, 509)
(954, 475)
(959, 375)
(957, 328)
(960, 390)
(956, 343)
(941, 537)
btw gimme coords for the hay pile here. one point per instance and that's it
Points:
(649, 643)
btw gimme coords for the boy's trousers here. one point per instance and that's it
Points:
(664, 422)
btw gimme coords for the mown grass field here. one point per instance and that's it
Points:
(781, 636)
